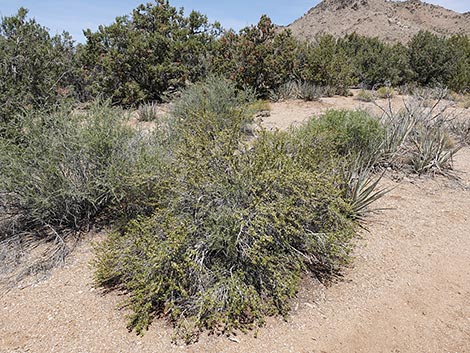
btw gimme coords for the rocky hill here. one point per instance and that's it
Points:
(392, 21)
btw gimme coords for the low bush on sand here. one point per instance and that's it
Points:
(236, 224)
(64, 171)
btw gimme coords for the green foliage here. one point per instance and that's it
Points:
(460, 64)
(140, 57)
(430, 58)
(347, 132)
(35, 68)
(365, 96)
(156, 50)
(218, 98)
(229, 240)
(349, 145)
(213, 228)
(325, 63)
(385, 92)
(439, 60)
(258, 57)
(376, 62)
(67, 168)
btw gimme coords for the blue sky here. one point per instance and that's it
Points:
(75, 15)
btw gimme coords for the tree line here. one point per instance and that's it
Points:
(157, 50)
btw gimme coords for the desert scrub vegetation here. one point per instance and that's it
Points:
(36, 69)
(150, 54)
(148, 112)
(352, 141)
(236, 224)
(346, 133)
(365, 96)
(63, 171)
(385, 92)
(420, 138)
(212, 227)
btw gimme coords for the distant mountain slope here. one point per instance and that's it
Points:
(393, 21)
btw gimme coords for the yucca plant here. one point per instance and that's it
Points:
(149, 112)
(398, 127)
(363, 191)
(460, 128)
(418, 138)
(309, 91)
(432, 150)
(288, 90)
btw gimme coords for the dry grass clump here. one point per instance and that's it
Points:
(464, 101)
(365, 96)
(385, 92)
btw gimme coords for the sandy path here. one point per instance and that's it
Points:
(408, 291)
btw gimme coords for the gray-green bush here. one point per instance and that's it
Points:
(67, 169)
(235, 227)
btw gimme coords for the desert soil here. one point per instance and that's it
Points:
(408, 289)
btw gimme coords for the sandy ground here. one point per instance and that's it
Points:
(295, 112)
(407, 291)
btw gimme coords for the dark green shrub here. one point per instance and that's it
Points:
(375, 62)
(430, 58)
(257, 57)
(35, 68)
(154, 51)
(234, 228)
(325, 63)
(460, 64)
